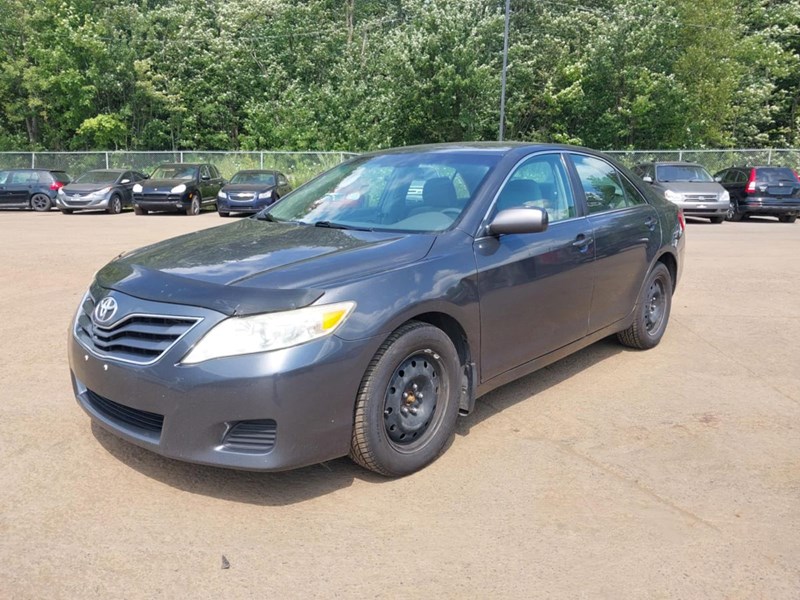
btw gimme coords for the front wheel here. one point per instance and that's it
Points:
(194, 206)
(651, 314)
(717, 220)
(733, 214)
(139, 211)
(407, 404)
(787, 218)
(114, 205)
(41, 202)
(67, 211)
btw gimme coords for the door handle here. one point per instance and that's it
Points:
(651, 223)
(582, 240)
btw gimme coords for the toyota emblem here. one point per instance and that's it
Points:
(105, 310)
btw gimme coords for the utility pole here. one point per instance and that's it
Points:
(503, 75)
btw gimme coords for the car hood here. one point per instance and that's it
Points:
(247, 187)
(163, 185)
(254, 266)
(692, 187)
(83, 188)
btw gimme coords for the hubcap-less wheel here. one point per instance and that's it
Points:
(654, 308)
(40, 202)
(411, 398)
(194, 207)
(115, 205)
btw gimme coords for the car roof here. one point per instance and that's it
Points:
(174, 164)
(500, 148)
(109, 170)
(672, 163)
(38, 169)
(256, 171)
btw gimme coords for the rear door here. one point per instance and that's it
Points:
(535, 289)
(4, 194)
(126, 184)
(626, 234)
(21, 185)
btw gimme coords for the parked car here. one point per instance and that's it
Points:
(181, 187)
(250, 191)
(30, 188)
(689, 186)
(770, 191)
(349, 319)
(102, 189)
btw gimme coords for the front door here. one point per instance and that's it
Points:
(535, 289)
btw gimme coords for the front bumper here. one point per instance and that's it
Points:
(86, 202)
(253, 206)
(306, 394)
(704, 209)
(162, 201)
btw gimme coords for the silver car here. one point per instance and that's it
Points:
(689, 186)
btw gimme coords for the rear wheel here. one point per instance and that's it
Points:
(67, 211)
(787, 218)
(41, 202)
(139, 211)
(194, 205)
(407, 404)
(733, 214)
(114, 205)
(652, 311)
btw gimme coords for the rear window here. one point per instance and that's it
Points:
(775, 175)
(61, 176)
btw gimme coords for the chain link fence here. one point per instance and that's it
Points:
(298, 166)
(302, 166)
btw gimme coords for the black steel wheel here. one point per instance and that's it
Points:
(651, 314)
(733, 214)
(41, 202)
(194, 205)
(408, 401)
(114, 205)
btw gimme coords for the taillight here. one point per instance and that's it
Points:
(751, 183)
(56, 185)
(681, 221)
(796, 176)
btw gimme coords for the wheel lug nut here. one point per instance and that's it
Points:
(412, 410)
(415, 387)
(419, 395)
(404, 410)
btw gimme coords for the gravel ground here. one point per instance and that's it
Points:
(611, 474)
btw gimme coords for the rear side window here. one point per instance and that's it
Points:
(632, 195)
(601, 184)
(24, 177)
(775, 175)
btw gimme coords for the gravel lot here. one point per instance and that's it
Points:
(612, 474)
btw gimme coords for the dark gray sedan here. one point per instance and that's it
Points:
(370, 307)
(101, 189)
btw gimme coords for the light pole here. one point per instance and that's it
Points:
(503, 75)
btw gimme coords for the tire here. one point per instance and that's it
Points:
(407, 403)
(223, 213)
(139, 211)
(194, 206)
(717, 220)
(651, 314)
(114, 205)
(41, 202)
(787, 218)
(732, 214)
(66, 211)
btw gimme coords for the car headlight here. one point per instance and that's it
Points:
(105, 190)
(271, 331)
(673, 196)
(265, 195)
(222, 194)
(137, 187)
(178, 189)
(725, 196)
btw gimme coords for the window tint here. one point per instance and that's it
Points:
(541, 181)
(3, 176)
(742, 177)
(601, 184)
(633, 196)
(24, 177)
(775, 175)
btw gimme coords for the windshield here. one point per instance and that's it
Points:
(682, 173)
(174, 172)
(424, 191)
(98, 177)
(253, 177)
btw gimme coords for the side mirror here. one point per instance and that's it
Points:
(647, 179)
(125, 181)
(205, 177)
(519, 220)
(717, 178)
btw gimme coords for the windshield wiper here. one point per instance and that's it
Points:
(332, 225)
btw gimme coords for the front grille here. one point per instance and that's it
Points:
(125, 415)
(700, 197)
(257, 437)
(136, 338)
(145, 197)
(241, 196)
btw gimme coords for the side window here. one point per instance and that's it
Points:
(127, 175)
(633, 197)
(23, 177)
(204, 171)
(601, 184)
(741, 177)
(282, 179)
(651, 172)
(215, 172)
(728, 176)
(3, 176)
(541, 181)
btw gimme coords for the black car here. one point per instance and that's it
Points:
(31, 188)
(102, 189)
(763, 191)
(181, 187)
(356, 317)
(252, 190)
